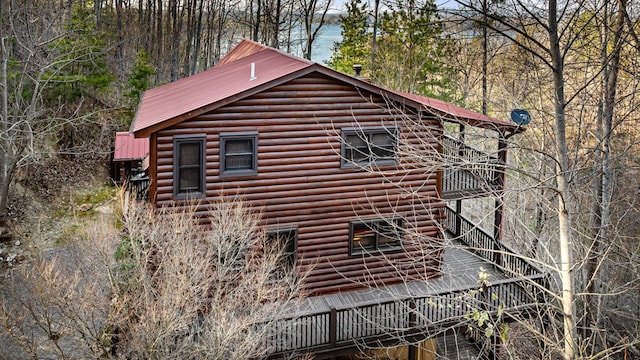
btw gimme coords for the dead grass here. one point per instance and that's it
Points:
(55, 294)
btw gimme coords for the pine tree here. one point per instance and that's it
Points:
(139, 80)
(354, 47)
(411, 49)
(82, 60)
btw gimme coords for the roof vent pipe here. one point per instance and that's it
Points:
(357, 68)
(253, 72)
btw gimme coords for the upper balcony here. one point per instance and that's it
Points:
(468, 172)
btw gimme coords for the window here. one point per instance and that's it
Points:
(284, 241)
(375, 235)
(238, 154)
(188, 175)
(368, 146)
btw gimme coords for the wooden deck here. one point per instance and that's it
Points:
(326, 325)
(460, 271)
(461, 183)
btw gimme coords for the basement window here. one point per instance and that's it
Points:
(239, 154)
(189, 159)
(375, 235)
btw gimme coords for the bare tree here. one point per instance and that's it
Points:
(57, 304)
(559, 25)
(48, 68)
(313, 17)
(613, 38)
(584, 68)
(175, 289)
(198, 291)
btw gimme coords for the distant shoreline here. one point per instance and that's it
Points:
(323, 46)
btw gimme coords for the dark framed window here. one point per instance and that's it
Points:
(375, 235)
(189, 161)
(238, 154)
(369, 146)
(284, 241)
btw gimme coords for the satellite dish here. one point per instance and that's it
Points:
(520, 117)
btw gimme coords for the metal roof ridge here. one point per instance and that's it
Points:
(245, 43)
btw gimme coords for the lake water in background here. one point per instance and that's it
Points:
(323, 46)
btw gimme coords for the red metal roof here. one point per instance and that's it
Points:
(455, 112)
(243, 49)
(129, 148)
(215, 85)
(230, 80)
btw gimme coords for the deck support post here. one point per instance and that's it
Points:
(333, 326)
(461, 152)
(458, 228)
(498, 219)
(411, 351)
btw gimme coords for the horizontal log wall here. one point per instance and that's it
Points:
(300, 182)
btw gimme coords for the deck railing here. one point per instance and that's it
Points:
(378, 321)
(486, 247)
(139, 185)
(341, 328)
(468, 169)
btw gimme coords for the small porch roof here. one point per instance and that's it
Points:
(129, 148)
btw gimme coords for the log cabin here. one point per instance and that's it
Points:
(363, 182)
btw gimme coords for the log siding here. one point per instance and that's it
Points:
(300, 182)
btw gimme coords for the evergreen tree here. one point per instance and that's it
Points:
(81, 69)
(411, 49)
(139, 79)
(354, 47)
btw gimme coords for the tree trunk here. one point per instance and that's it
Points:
(97, 9)
(4, 157)
(176, 21)
(196, 50)
(374, 35)
(276, 25)
(189, 10)
(600, 222)
(485, 57)
(149, 28)
(159, 34)
(256, 24)
(310, 10)
(120, 44)
(562, 175)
